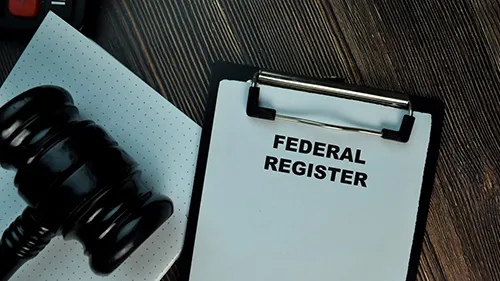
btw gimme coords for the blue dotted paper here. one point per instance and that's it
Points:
(160, 137)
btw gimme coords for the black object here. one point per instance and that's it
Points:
(26, 15)
(226, 71)
(77, 182)
(404, 133)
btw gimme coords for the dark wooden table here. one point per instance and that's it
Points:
(447, 49)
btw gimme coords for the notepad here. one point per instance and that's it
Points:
(288, 201)
(157, 135)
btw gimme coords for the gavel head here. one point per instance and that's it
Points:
(76, 180)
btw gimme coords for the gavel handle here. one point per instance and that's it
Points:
(9, 263)
(22, 241)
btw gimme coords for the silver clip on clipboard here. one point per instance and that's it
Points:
(336, 89)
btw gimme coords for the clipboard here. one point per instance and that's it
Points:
(262, 207)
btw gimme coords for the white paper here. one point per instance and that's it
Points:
(156, 134)
(258, 224)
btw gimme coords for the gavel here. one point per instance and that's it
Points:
(77, 182)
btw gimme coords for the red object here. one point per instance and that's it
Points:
(24, 8)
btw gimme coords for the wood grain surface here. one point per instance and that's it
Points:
(446, 49)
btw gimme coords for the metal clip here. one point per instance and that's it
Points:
(330, 88)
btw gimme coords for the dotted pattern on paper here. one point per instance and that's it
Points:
(160, 138)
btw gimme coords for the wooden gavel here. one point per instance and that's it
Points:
(77, 181)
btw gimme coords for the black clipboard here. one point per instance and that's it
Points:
(221, 71)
